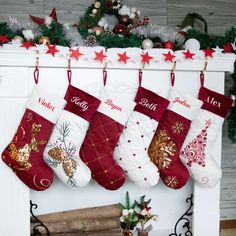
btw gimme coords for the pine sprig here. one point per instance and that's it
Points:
(55, 34)
(4, 30)
(232, 116)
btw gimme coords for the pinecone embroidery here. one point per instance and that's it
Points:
(56, 153)
(162, 149)
(194, 152)
(63, 152)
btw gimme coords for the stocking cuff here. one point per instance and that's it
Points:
(81, 103)
(46, 104)
(116, 106)
(150, 104)
(184, 104)
(214, 102)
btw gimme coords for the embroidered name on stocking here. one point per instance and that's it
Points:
(46, 104)
(213, 101)
(144, 102)
(112, 105)
(182, 102)
(79, 102)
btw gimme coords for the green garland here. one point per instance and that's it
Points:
(54, 33)
(232, 116)
(4, 30)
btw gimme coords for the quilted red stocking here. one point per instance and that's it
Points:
(102, 137)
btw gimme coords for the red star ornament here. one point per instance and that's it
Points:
(99, 56)
(146, 58)
(123, 57)
(169, 56)
(52, 50)
(41, 21)
(227, 48)
(188, 54)
(27, 45)
(75, 53)
(208, 52)
(3, 39)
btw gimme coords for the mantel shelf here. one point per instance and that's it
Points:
(20, 57)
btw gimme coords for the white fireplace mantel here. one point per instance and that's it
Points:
(16, 82)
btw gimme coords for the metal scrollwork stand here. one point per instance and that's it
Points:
(34, 219)
(184, 218)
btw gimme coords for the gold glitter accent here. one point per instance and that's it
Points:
(177, 127)
(56, 153)
(21, 155)
(162, 149)
(171, 181)
(43, 183)
(69, 165)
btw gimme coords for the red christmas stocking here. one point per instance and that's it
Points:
(169, 137)
(24, 155)
(102, 137)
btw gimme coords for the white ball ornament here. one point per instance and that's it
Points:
(94, 11)
(192, 45)
(147, 44)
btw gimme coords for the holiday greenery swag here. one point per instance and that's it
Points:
(136, 215)
(130, 30)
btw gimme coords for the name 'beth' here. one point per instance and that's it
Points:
(46, 104)
(144, 102)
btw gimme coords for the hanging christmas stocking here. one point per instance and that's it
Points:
(25, 152)
(165, 147)
(196, 153)
(131, 151)
(62, 151)
(102, 137)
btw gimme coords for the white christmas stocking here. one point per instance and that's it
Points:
(131, 150)
(62, 151)
(196, 152)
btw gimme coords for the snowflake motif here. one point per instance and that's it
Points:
(162, 149)
(171, 181)
(177, 127)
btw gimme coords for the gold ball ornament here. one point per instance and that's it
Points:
(18, 39)
(44, 40)
(97, 4)
(98, 30)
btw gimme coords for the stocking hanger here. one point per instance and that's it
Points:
(105, 74)
(36, 70)
(172, 74)
(202, 76)
(69, 72)
(140, 76)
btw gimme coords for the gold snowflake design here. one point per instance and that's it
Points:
(162, 149)
(177, 127)
(171, 181)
